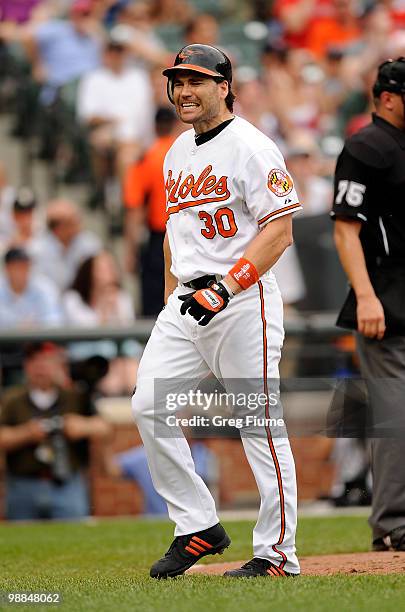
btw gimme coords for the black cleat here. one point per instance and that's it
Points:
(259, 567)
(379, 545)
(186, 550)
(395, 540)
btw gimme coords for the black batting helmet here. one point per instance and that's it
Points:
(203, 59)
(390, 77)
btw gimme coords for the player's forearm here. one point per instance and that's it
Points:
(266, 248)
(351, 255)
(170, 280)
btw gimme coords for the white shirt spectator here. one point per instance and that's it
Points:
(60, 263)
(124, 97)
(37, 305)
(77, 312)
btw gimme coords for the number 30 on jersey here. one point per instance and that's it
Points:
(351, 192)
(222, 223)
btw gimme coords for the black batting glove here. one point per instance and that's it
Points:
(204, 304)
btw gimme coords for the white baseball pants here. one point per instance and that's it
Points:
(242, 341)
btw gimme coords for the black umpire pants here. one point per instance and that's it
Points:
(383, 369)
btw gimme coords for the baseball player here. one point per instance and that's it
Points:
(229, 202)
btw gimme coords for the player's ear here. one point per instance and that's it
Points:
(223, 88)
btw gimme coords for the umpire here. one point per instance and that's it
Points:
(369, 213)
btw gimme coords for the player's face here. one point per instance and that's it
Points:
(199, 100)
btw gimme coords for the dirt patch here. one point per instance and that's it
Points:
(329, 565)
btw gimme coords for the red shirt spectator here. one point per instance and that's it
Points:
(296, 16)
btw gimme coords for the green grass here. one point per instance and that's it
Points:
(104, 566)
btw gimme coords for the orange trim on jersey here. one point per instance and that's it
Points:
(175, 209)
(268, 432)
(277, 212)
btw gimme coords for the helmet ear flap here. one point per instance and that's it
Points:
(169, 89)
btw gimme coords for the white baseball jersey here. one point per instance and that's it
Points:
(220, 194)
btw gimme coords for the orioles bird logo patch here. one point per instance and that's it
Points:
(279, 182)
(188, 52)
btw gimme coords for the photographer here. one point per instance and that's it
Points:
(44, 430)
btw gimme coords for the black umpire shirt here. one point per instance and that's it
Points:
(370, 187)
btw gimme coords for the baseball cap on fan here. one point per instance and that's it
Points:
(16, 254)
(120, 36)
(81, 7)
(24, 200)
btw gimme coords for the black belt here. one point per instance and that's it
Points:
(202, 282)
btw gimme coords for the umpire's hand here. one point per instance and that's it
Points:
(370, 317)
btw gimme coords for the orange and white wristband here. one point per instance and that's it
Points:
(244, 273)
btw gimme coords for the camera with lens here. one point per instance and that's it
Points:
(53, 452)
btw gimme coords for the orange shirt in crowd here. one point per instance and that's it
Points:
(320, 10)
(144, 184)
(329, 33)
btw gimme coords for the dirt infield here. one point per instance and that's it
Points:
(329, 565)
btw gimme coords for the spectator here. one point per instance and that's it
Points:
(171, 11)
(339, 30)
(96, 299)
(133, 465)
(253, 104)
(147, 48)
(44, 429)
(145, 202)
(115, 102)
(202, 29)
(297, 16)
(26, 299)
(7, 197)
(61, 51)
(304, 162)
(65, 244)
(296, 88)
(24, 225)
(18, 12)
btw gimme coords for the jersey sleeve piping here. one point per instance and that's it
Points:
(287, 210)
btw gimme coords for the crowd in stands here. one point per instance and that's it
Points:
(82, 81)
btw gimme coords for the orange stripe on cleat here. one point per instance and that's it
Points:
(196, 546)
(192, 551)
(273, 572)
(200, 541)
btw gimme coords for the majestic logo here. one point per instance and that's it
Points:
(184, 192)
(279, 182)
